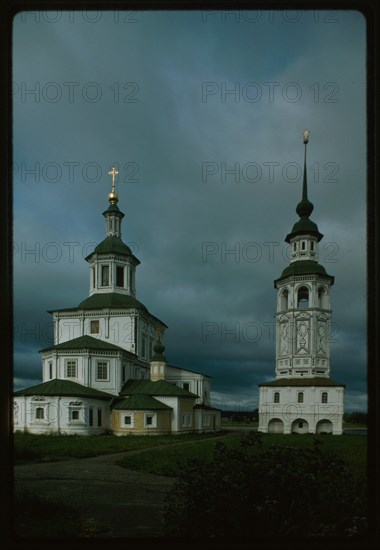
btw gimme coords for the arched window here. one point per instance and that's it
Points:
(276, 397)
(300, 397)
(284, 300)
(324, 397)
(303, 297)
(40, 413)
(303, 245)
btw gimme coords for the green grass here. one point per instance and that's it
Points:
(169, 461)
(43, 448)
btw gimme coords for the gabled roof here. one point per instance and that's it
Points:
(317, 381)
(139, 402)
(159, 388)
(58, 387)
(85, 342)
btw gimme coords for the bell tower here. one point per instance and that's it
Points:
(303, 299)
(302, 398)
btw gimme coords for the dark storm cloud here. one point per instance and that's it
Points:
(210, 175)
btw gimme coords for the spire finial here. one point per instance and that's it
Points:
(113, 196)
(305, 207)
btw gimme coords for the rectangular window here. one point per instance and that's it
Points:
(71, 369)
(91, 416)
(105, 275)
(119, 275)
(312, 246)
(102, 370)
(300, 398)
(74, 415)
(94, 327)
(127, 421)
(93, 277)
(99, 416)
(324, 397)
(50, 370)
(150, 421)
(276, 397)
(186, 386)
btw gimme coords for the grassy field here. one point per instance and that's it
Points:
(169, 461)
(177, 449)
(42, 448)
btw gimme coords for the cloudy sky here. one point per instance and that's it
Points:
(203, 113)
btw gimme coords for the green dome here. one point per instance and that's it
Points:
(159, 349)
(304, 267)
(114, 209)
(304, 226)
(113, 245)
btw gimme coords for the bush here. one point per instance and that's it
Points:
(280, 491)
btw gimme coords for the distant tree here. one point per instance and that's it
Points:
(356, 417)
(280, 491)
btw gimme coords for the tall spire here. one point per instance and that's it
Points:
(305, 207)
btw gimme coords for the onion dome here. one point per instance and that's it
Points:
(159, 349)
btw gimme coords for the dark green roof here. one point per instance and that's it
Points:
(67, 388)
(304, 226)
(85, 342)
(140, 403)
(111, 299)
(160, 387)
(113, 245)
(304, 267)
(113, 209)
(318, 381)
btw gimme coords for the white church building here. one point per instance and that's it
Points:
(106, 370)
(302, 398)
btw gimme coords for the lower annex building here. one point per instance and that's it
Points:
(107, 370)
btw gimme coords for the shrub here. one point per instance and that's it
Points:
(280, 491)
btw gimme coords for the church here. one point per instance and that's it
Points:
(107, 371)
(302, 398)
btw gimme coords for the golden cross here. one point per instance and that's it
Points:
(113, 173)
